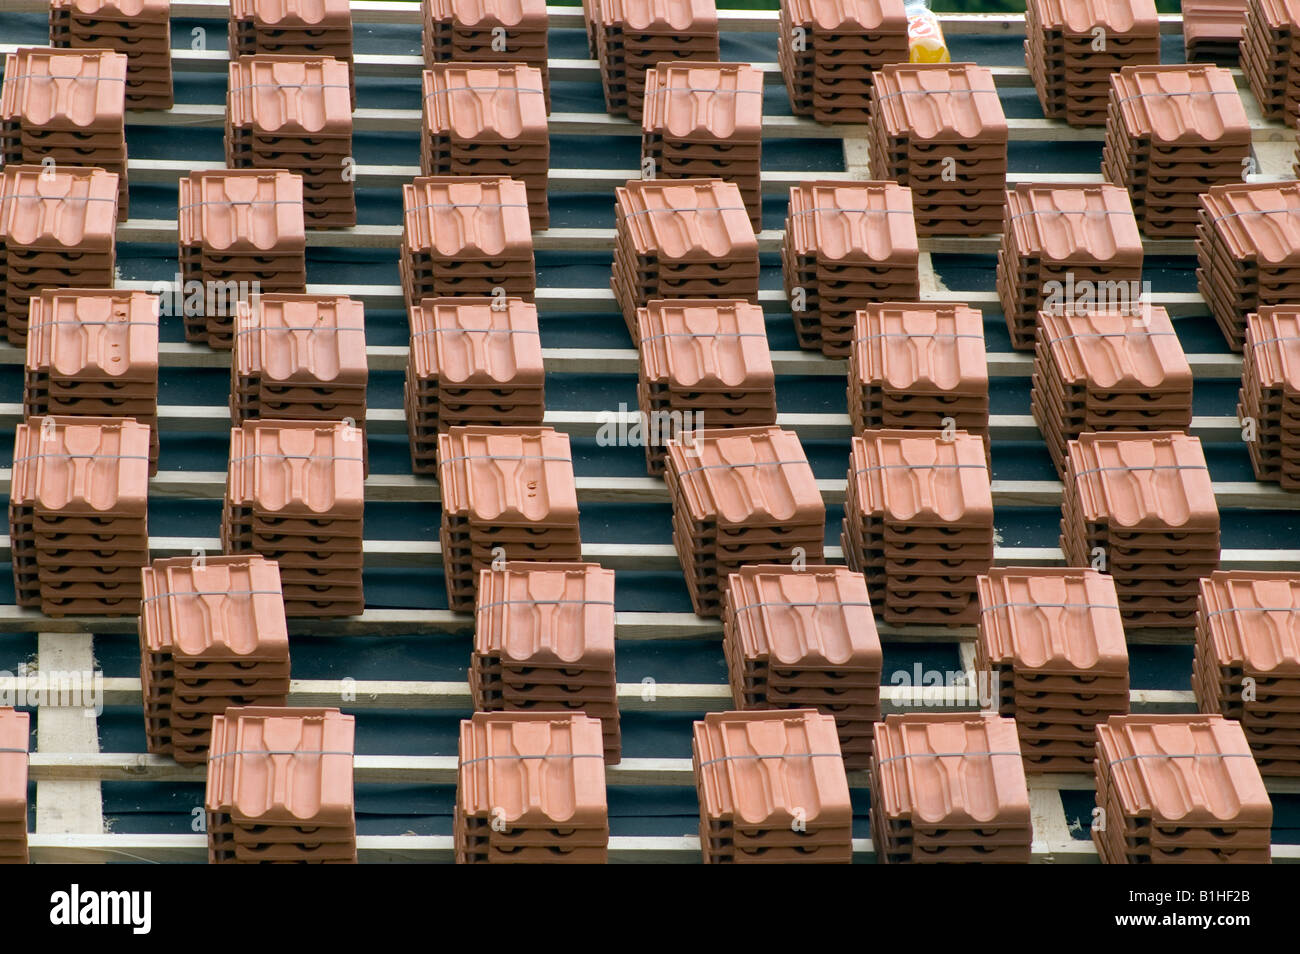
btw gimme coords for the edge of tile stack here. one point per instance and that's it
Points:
(706, 119)
(510, 811)
(1072, 47)
(1105, 371)
(919, 364)
(1052, 641)
(1171, 133)
(1246, 636)
(78, 514)
(67, 107)
(750, 769)
(1213, 30)
(918, 523)
(1270, 393)
(240, 227)
(15, 740)
(805, 638)
(40, 248)
(826, 53)
(630, 36)
(280, 787)
(94, 352)
(1179, 789)
(846, 245)
(139, 28)
(213, 636)
(1247, 251)
(1270, 60)
(918, 815)
(939, 129)
(293, 28)
(752, 499)
(703, 363)
(1057, 242)
(544, 642)
(1142, 503)
(507, 489)
(308, 133)
(307, 514)
(681, 238)
(465, 31)
(498, 128)
(454, 377)
(466, 235)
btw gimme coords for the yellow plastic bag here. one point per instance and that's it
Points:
(925, 41)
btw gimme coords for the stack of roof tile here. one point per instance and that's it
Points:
(741, 495)
(631, 36)
(1248, 250)
(1270, 58)
(78, 514)
(293, 28)
(530, 788)
(1061, 246)
(703, 363)
(292, 112)
(94, 352)
(846, 245)
(505, 489)
(487, 31)
(1248, 661)
(939, 129)
(1213, 30)
(300, 358)
(1072, 47)
(1052, 640)
(772, 788)
(804, 637)
(212, 636)
(466, 235)
(544, 642)
(67, 107)
(15, 739)
(487, 119)
(57, 231)
(295, 494)
(471, 361)
(949, 787)
(280, 787)
(240, 231)
(705, 119)
(919, 365)
(681, 239)
(139, 28)
(1140, 505)
(827, 52)
(1105, 371)
(1270, 393)
(1179, 789)
(1171, 133)
(918, 522)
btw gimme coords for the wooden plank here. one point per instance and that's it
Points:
(72, 806)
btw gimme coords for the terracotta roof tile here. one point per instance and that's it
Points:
(51, 89)
(941, 103)
(949, 786)
(297, 468)
(850, 17)
(921, 478)
(15, 739)
(68, 209)
(1076, 18)
(85, 466)
(544, 641)
(294, 14)
(242, 211)
(1180, 105)
(94, 335)
(627, 36)
(701, 220)
(139, 28)
(1252, 620)
(462, 31)
(281, 96)
(704, 102)
(531, 787)
(772, 787)
(1270, 381)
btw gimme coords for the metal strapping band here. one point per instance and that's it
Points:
(866, 470)
(540, 458)
(1115, 334)
(698, 208)
(92, 324)
(544, 603)
(307, 457)
(240, 89)
(705, 334)
(75, 79)
(169, 595)
(1183, 755)
(757, 463)
(945, 755)
(1233, 215)
(472, 331)
(705, 89)
(14, 751)
(781, 756)
(1272, 340)
(855, 211)
(58, 198)
(1253, 609)
(226, 755)
(523, 758)
(483, 89)
(750, 606)
(1132, 467)
(1193, 92)
(270, 328)
(920, 334)
(467, 205)
(239, 202)
(1033, 212)
(91, 457)
(1088, 606)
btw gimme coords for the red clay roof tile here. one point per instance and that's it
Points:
(467, 342)
(83, 466)
(1180, 105)
(920, 348)
(66, 208)
(242, 210)
(485, 103)
(15, 739)
(289, 96)
(1257, 222)
(1143, 480)
(547, 615)
(660, 17)
(508, 475)
(313, 340)
(1074, 224)
(1251, 621)
(94, 335)
(469, 218)
(850, 17)
(298, 468)
(923, 478)
(703, 102)
(686, 220)
(51, 90)
(1077, 18)
(705, 345)
(941, 103)
(290, 14)
(846, 223)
